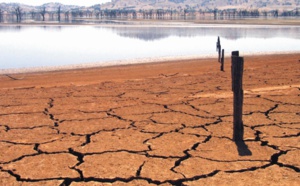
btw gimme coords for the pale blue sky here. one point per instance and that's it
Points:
(66, 2)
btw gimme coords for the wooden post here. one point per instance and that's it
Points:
(234, 53)
(222, 61)
(219, 54)
(218, 44)
(219, 48)
(237, 69)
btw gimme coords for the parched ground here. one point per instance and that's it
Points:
(153, 124)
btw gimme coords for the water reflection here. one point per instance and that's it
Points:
(100, 21)
(232, 33)
(38, 46)
(24, 28)
(152, 33)
(10, 28)
(53, 28)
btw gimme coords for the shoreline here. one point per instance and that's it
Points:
(129, 62)
(85, 76)
(156, 22)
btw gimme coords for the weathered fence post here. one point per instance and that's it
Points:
(220, 53)
(222, 61)
(218, 44)
(219, 48)
(237, 68)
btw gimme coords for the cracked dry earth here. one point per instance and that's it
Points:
(153, 124)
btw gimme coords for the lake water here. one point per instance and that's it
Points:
(53, 46)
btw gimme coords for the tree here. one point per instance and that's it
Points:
(134, 15)
(80, 13)
(215, 13)
(58, 13)
(18, 12)
(97, 13)
(32, 13)
(185, 11)
(74, 13)
(43, 12)
(276, 13)
(51, 14)
(67, 14)
(265, 13)
(1, 15)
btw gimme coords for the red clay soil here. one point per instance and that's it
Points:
(152, 124)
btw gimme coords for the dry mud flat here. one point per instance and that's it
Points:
(152, 124)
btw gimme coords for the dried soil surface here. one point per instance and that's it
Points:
(151, 124)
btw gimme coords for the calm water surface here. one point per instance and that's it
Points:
(46, 46)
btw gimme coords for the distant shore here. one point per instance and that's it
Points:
(128, 22)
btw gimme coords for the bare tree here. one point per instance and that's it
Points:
(97, 14)
(276, 13)
(80, 13)
(18, 12)
(32, 13)
(58, 13)
(215, 14)
(43, 12)
(74, 13)
(51, 14)
(1, 15)
(265, 13)
(67, 14)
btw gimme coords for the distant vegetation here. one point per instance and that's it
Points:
(150, 9)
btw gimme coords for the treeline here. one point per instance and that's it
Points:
(43, 14)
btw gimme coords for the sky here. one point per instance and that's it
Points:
(66, 2)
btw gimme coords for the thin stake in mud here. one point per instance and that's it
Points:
(237, 68)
